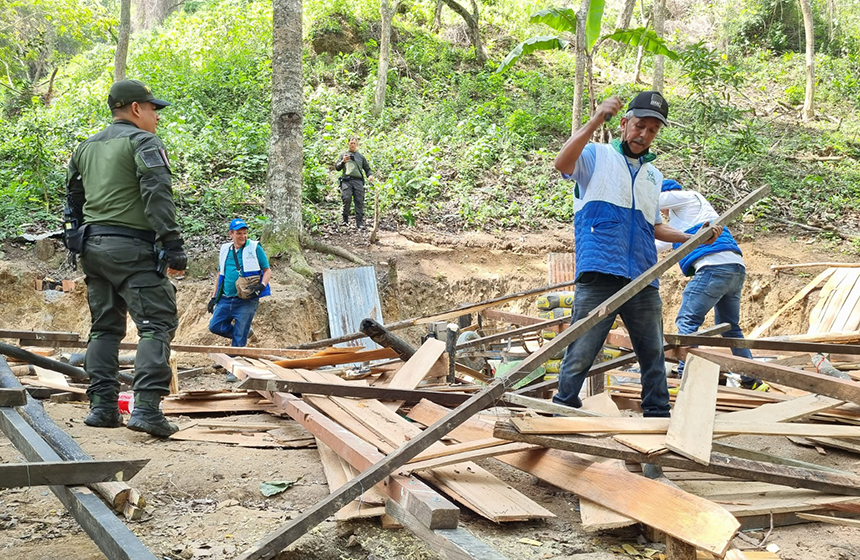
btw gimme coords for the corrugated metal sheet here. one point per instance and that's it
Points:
(351, 295)
(561, 267)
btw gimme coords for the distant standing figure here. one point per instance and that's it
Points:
(119, 205)
(355, 170)
(232, 314)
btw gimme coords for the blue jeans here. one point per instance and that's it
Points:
(232, 318)
(643, 317)
(719, 288)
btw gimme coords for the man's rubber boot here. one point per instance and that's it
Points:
(104, 413)
(147, 416)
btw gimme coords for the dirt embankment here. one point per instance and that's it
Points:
(204, 498)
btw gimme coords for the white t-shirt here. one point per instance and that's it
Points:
(686, 209)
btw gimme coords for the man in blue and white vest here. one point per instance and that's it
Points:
(717, 271)
(616, 220)
(232, 315)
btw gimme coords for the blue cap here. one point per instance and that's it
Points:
(238, 223)
(670, 185)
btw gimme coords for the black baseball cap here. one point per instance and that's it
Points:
(126, 92)
(650, 104)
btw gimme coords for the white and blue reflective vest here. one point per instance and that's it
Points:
(614, 216)
(250, 264)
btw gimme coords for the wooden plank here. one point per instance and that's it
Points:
(846, 311)
(504, 448)
(851, 447)
(666, 508)
(427, 505)
(110, 534)
(443, 316)
(542, 425)
(338, 472)
(356, 391)
(466, 482)
(691, 428)
(808, 381)
(39, 335)
(510, 317)
(67, 473)
(824, 297)
(254, 439)
(834, 306)
(450, 544)
(239, 402)
(297, 527)
(761, 344)
(796, 477)
(844, 521)
(761, 329)
(834, 265)
(13, 397)
(339, 358)
(416, 368)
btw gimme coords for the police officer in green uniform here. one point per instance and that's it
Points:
(121, 218)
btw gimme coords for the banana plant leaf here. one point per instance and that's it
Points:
(543, 43)
(560, 19)
(649, 40)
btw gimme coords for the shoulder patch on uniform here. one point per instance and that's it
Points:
(153, 158)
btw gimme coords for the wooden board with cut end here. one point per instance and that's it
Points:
(240, 438)
(338, 472)
(691, 428)
(416, 368)
(687, 517)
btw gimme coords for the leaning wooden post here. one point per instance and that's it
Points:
(276, 541)
(384, 337)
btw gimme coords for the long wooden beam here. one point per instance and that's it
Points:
(187, 348)
(761, 344)
(357, 391)
(112, 537)
(67, 473)
(615, 363)
(443, 316)
(787, 475)
(432, 509)
(271, 544)
(836, 388)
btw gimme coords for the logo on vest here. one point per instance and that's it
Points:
(651, 177)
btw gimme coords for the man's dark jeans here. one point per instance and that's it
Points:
(352, 188)
(232, 319)
(719, 288)
(643, 318)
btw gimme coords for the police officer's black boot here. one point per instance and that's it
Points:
(147, 416)
(104, 413)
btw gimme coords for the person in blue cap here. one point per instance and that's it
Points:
(243, 278)
(717, 270)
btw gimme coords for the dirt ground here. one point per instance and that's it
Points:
(204, 499)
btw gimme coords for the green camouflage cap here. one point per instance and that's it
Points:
(125, 92)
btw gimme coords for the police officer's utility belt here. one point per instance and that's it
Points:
(119, 231)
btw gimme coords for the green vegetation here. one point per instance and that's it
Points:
(457, 144)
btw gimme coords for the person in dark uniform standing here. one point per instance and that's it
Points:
(355, 170)
(121, 219)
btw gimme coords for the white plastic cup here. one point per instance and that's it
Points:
(126, 402)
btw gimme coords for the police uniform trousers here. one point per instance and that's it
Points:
(122, 277)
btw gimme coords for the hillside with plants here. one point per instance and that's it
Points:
(458, 146)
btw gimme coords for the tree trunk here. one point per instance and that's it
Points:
(623, 21)
(437, 16)
(640, 55)
(626, 14)
(122, 41)
(149, 14)
(282, 234)
(386, 12)
(809, 98)
(659, 9)
(581, 63)
(473, 27)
